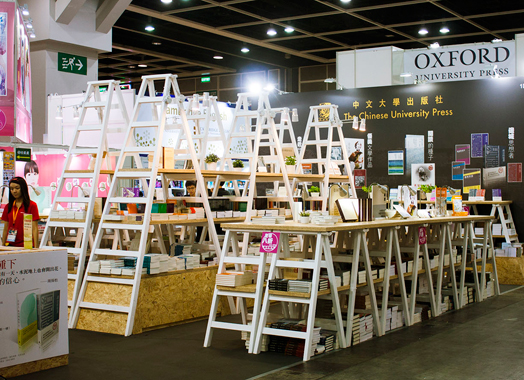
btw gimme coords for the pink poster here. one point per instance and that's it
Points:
(7, 121)
(23, 80)
(269, 243)
(7, 27)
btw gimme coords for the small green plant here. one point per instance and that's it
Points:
(367, 189)
(210, 158)
(314, 189)
(238, 164)
(291, 160)
(304, 213)
(427, 188)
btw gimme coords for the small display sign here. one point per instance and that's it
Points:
(23, 154)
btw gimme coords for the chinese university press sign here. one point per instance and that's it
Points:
(461, 62)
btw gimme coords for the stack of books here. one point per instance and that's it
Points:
(71, 263)
(299, 286)
(279, 284)
(363, 301)
(234, 278)
(93, 267)
(191, 260)
(107, 266)
(327, 341)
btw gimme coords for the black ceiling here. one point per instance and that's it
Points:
(191, 32)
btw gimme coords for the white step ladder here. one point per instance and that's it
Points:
(320, 118)
(148, 176)
(99, 131)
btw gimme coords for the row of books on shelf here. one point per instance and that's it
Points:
(298, 286)
(68, 214)
(509, 250)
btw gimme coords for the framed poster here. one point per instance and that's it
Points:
(514, 172)
(462, 153)
(395, 162)
(456, 170)
(478, 142)
(471, 180)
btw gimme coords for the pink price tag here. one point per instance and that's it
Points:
(269, 243)
(422, 238)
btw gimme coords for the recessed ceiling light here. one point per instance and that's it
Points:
(345, 1)
(157, 43)
(271, 32)
(142, 65)
(434, 45)
(132, 66)
(218, 56)
(166, 1)
(244, 49)
(423, 31)
(444, 30)
(289, 29)
(495, 40)
(149, 28)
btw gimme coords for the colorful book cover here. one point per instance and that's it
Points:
(48, 305)
(27, 316)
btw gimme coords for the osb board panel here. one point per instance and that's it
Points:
(102, 321)
(109, 294)
(38, 365)
(510, 270)
(169, 299)
(70, 289)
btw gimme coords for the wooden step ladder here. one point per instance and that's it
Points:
(92, 101)
(148, 177)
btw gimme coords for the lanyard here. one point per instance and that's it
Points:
(15, 214)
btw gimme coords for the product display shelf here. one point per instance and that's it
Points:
(83, 227)
(356, 236)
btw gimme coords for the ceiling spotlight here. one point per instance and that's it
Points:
(269, 87)
(244, 49)
(25, 10)
(289, 29)
(142, 65)
(166, 1)
(434, 45)
(271, 32)
(132, 66)
(406, 75)
(423, 31)
(345, 1)
(156, 43)
(218, 56)
(330, 80)
(29, 24)
(355, 122)
(32, 35)
(444, 30)
(362, 125)
(149, 28)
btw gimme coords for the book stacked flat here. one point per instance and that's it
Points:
(93, 267)
(366, 328)
(324, 309)
(327, 340)
(363, 301)
(106, 266)
(299, 286)
(191, 260)
(279, 284)
(338, 281)
(234, 278)
(345, 276)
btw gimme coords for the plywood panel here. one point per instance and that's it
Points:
(36, 366)
(510, 270)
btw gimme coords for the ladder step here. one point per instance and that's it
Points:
(255, 260)
(72, 276)
(306, 264)
(84, 150)
(140, 200)
(273, 297)
(231, 326)
(74, 251)
(243, 134)
(321, 143)
(58, 223)
(94, 127)
(286, 333)
(233, 293)
(78, 174)
(116, 252)
(72, 200)
(94, 104)
(111, 280)
(122, 226)
(140, 149)
(141, 173)
(100, 306)
(151, 99)
(143, 124)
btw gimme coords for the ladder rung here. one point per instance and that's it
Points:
(151, 99)
(243, 134)
(134, 174)
(58, 223)
(116, 252)
(255, 260)
(74, 251)
(231, 326)
(72, 174)
(139, 200)
(122, 226)
(233, 293)
(273, 297)
(306, 264)
(96, 127)
(140, 149)
(100, 306)
(84, 150)
(287, 333)
(111, 280)
(94, 104)
(142, 124)
(72, 276)
(72, 200)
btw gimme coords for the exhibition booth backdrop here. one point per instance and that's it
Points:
(463, 133)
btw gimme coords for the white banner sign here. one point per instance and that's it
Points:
(33, 306)
(461, 62)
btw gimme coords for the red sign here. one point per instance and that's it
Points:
(269, 243)
(422, 237)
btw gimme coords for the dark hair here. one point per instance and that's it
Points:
(190, 183)
(31, 167)
(25, 193)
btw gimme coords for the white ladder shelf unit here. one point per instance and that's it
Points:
(92, 101)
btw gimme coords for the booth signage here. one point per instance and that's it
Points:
(269, 242)
(461, 62)
(23, 154)
(72, 63)
(205, 79)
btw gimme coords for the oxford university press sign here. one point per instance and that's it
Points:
(461, 62)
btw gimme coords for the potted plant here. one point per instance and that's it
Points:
(367, 189)
(425, 190)
(314, 191)
(291, 161)
(238, 165)
(304, 217)
(211, 161)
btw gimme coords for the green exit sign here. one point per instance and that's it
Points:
(205, 79)
(72, 63)
(23, 154)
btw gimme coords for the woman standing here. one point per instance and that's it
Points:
(13, 216)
